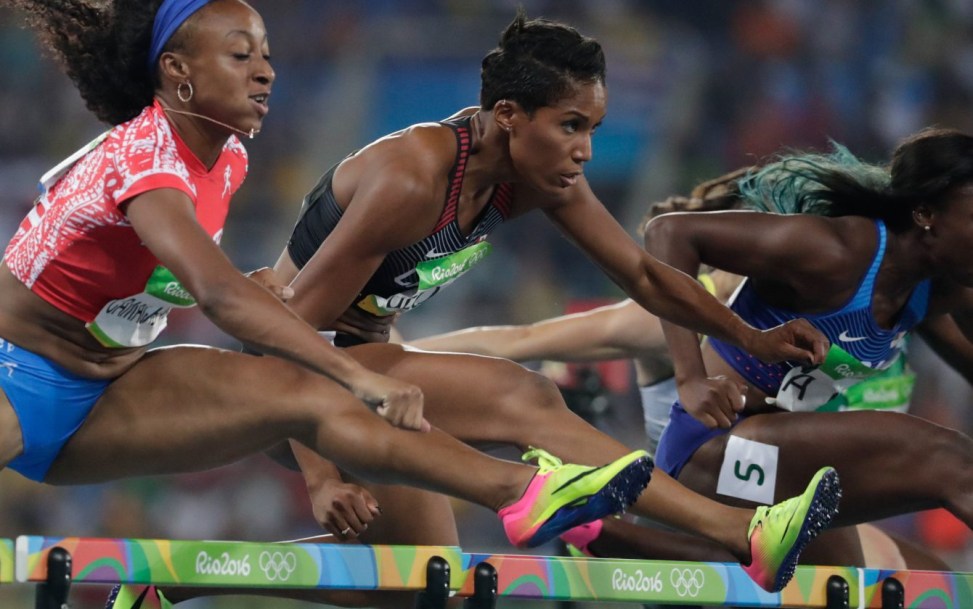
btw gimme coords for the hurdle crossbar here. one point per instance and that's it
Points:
(6, 561)
(234, 564)
(649, 581)
(332, 566)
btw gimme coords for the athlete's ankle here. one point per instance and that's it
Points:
(738, 540)
(514, 489)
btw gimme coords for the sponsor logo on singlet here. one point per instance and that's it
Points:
(847, 338)
(433, 276)
(137, 320)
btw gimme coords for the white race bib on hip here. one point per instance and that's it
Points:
(749, 470)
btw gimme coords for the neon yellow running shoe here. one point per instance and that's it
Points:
(563, 496)
(575, 552)
(779, 533)
(136, 597)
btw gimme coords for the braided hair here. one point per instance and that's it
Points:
(537, 63)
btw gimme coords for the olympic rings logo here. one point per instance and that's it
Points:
(277, 566)
(687, 581)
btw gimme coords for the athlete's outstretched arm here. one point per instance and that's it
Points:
(744, 243)
(667, 292)
(623, 330)
(166, 222)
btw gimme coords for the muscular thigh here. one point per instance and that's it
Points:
(874, 453)
(474, 398)
(762, 460)
(836, 546)
(190, 408)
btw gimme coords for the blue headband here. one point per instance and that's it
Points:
(170, 16)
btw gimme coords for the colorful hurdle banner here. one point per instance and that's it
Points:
(234, 564)
(6, 561)
(330, 566)
(650, 581)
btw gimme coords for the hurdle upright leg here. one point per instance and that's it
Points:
(484, 588)
(437, 585)
(53, 593)
(893, 594)
(837, 594)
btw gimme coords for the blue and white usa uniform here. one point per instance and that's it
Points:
(852, 328)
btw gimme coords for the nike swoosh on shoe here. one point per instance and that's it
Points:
(788, 526)
(576, 478)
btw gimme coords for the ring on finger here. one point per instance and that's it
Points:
(346, 530)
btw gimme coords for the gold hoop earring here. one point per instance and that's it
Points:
(189, 95)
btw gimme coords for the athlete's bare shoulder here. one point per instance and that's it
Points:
(840, 238)
(402, 177)
(855, 237)
(850, 227)
(829, 251)
(415, 160)
(424, 150)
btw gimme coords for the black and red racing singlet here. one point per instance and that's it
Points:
(411, 275)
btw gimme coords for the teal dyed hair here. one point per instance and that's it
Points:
(834, 184)
(926, 169)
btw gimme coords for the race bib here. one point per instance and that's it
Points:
(433, 275)
(806, 389)
(749, 470)
(138, 320)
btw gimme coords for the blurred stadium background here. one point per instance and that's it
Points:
(695, 89)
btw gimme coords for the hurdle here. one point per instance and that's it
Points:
(434, 572)
(6, 561)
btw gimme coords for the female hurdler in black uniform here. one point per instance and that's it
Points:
(392, 224)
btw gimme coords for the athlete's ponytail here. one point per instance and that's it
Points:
(925, 168)
(835, 184)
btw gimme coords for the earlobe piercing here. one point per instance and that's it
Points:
(184, 98)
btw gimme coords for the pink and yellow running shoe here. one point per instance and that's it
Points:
(580, 537)
(136, 597)
(563, 496)
(779, 533)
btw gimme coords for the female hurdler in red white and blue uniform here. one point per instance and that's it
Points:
(79, 253)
